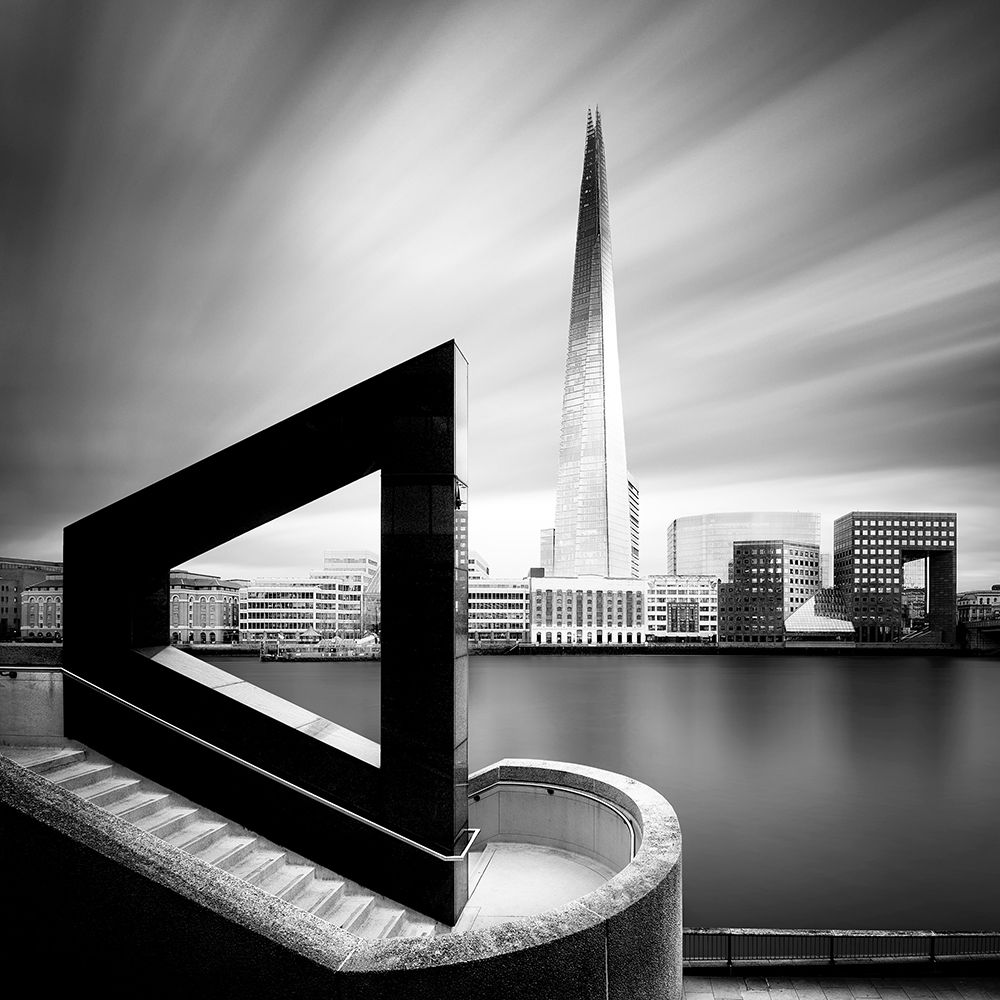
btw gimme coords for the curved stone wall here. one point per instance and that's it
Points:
(623, 940)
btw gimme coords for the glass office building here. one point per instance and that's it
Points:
(703, 543)
(593, 525)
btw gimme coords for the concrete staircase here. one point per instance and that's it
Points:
(218, 842)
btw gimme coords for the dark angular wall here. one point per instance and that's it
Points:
(416, 427)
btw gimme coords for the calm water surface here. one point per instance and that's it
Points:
(812, 791)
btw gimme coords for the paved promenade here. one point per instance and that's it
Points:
(708, 987)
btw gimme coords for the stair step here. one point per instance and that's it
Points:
(43, 759)
(79, 774)
(320, 895)
(109, 790)
(379, 922)
(411, 927)
(349, 911)
(197, 835)
(215, 841)
(167, 820)
(286, 880)
(139, 804)
(257, 863)
(226, 851)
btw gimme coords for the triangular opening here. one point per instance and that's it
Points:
(293, 607)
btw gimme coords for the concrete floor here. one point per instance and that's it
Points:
(519, 880)
(903, 987)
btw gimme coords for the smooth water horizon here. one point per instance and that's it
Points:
(812, 791)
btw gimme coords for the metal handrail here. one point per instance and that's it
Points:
(551, 786)
(283, 781)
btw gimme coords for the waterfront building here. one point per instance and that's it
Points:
(702, 544)
(354, 575)
(682, 608)
(595, 506)
(499, 611)
(328, 602)
(979, 605)
(15, 575)
(588, 610)
(547, 550)
(633, 516)
(203, 608)
(870, 549)
(41, 611)
(771, 579)
(479, 568)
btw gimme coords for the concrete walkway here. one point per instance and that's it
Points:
(904, 987)
(507, 881)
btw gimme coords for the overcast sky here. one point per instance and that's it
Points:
(215, 214)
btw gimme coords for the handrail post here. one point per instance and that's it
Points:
(932, 955)
(729, 952)
(833, 959)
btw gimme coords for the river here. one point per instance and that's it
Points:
(812, 791)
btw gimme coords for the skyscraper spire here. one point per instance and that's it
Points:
(593, 524)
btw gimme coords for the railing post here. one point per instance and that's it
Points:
(832, 958)
(729, 952)
(932, 956)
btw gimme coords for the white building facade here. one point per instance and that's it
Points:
(682, 608)
(499, 611)
(589, 610)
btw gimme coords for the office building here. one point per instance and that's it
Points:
(702, 544)
(682, 608)
(15, 575)
(870, 549)
(771, 579)
(587, 610)
(547, 550)
(594, 504)
(499, 610)
(479, 568)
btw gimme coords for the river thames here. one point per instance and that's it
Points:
(812, 791)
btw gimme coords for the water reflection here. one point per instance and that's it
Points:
(812, 792)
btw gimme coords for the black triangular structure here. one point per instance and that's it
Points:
(415, 429)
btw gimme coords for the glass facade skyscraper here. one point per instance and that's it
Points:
(703, 543)
(594, 515)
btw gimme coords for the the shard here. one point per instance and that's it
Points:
(594, 515)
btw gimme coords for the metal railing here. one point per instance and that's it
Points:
(281, 781)
(728, 947)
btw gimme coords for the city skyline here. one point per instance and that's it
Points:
(219, 215)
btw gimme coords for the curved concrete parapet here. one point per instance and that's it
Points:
(622, 940)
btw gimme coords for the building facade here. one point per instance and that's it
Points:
(203, 609)
(771, 579)
(702, 544)
(499, 611)
(42, 611)
(979, 605)
(870, 549)
(593, 534)
(591, 611)
(15, 575)
(682, 608)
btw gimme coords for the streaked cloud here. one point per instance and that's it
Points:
(215, 214)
